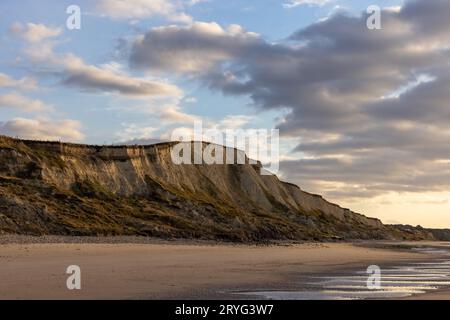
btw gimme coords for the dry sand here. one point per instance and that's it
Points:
(149, 271)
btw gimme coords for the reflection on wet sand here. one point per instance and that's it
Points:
(396, 282)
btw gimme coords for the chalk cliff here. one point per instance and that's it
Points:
(61, 188)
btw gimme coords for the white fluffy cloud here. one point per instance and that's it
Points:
(74, 72)
(164, 116)
(172, 114)
(34, 33)
(42, 129)
(17, 101)
(232, 122)
(26, 83)
(139, 9)
(134, 132)
(296, 3)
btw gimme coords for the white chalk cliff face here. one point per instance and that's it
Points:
(60, 188)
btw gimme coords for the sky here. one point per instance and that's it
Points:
(363, 114)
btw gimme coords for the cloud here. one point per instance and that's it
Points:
(296, 3)
(365, 122)
(165, 115)
(34, 33)
(26, 83)
(190, 100)
(100, 79)
(189, 49)
(139, 141)
(170, 121)
(74, 72)
(135, 134)
(17, 101)
(139, 9)
(232, 122)
(173, 114)
(42, 129)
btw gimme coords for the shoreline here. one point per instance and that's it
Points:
(178, 271)
(402, 245)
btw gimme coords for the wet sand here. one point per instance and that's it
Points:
(171, 271)
(442, 294)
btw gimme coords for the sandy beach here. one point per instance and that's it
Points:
(173, 270)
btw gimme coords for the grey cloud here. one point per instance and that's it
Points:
(189, 49)
(428, 103)
(96, 81)
(366, 176)
(338, 80)
(431, 18)
(78, 74)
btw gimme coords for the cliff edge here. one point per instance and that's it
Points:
(73, 189)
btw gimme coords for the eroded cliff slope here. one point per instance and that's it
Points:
(59, 188)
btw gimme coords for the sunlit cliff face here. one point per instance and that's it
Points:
(362, 112)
